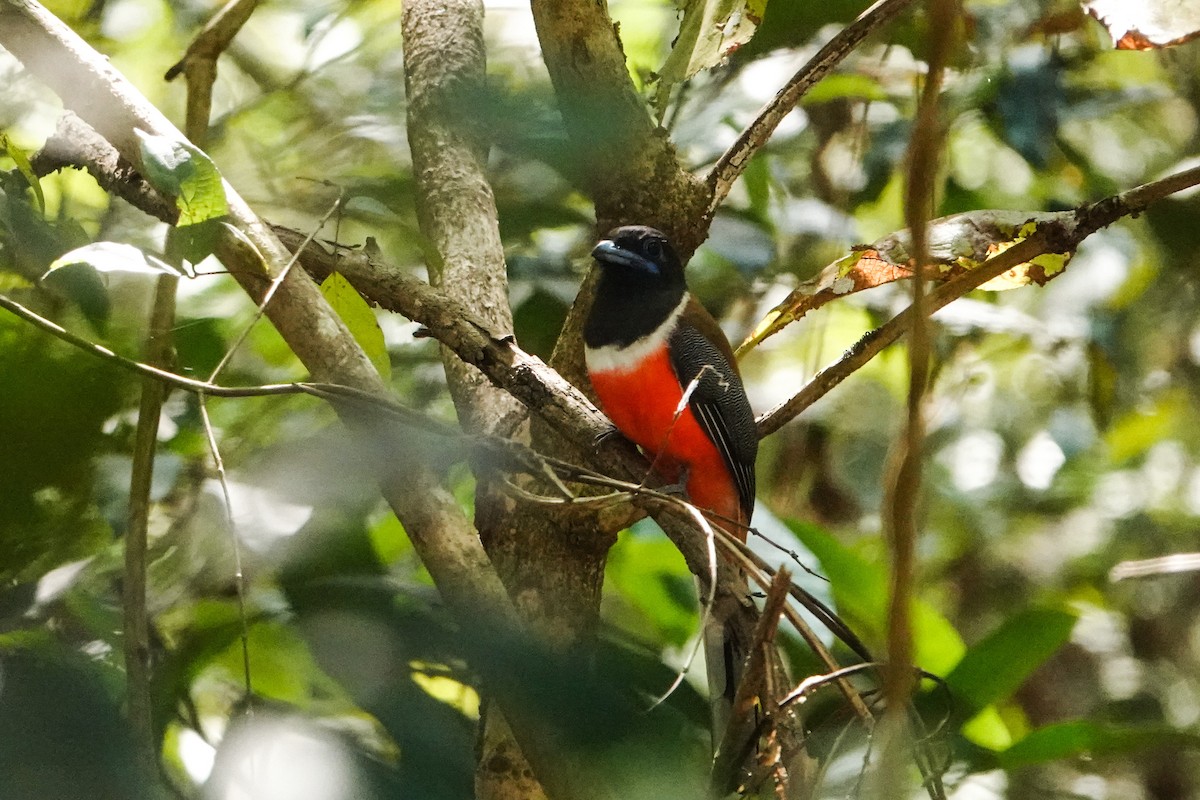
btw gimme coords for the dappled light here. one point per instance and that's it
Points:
(306, 492)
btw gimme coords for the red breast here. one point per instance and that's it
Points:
(647, 341)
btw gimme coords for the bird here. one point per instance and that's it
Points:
(649, 346)
(647, 343)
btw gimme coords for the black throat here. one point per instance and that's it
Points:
(628, 307)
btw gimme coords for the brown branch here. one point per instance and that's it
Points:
(540, 388)
(733, 161)
(199, 63)
(629, 167)
(739, 738)
(74, 143)
(444, 539)
(902, 491)
(903, 483)
(444, 67)
(135, 619)
(444, 76)
(1060, 236)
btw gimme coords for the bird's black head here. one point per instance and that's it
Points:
(641, 283)
(640, 255)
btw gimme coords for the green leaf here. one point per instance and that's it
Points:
(711, 30)
(19, 156)
(191, 244)
(757, 180)
(111, 257)
(81, 275)
(179, 169)
(997, 666)
(650, 577)
(83, 286)
(860, 590)
(1134, 433)
(845, 86)
(1082, 738)
(988, 729)
(359, 318)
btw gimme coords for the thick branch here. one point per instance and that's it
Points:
(90, 87)
(733, 162)
(443, 77)
(630, 168)
(74, 143)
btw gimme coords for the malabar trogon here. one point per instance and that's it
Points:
(647, 339)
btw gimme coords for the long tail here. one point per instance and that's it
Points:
(728, 634)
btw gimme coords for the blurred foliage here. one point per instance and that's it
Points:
(1064, 427)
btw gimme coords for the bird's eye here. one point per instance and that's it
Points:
(654, 248)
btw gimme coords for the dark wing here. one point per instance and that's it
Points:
(719, 400)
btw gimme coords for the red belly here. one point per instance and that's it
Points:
(642, 403)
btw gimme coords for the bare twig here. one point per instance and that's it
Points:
(159, 374)
(1152, 567)
(903, 481)
(903, 485)
(733, 161)
(199, 63)
(239, 574)
(159, 348)
(756, 568)
(738, 739)
(272, 288)
(135, 622)
(75, 143)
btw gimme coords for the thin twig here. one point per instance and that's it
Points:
(276, 282)
(135, 619)
(733, 162)
(757, 570)
(709, 599)
(903, 483)
(1056, 237)
(239, 575)
(170, 378)
(737, 741)
(199, 63)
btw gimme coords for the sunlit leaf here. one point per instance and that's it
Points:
(1139, 429)
(711, 30)
(1088, 739)
(21, 158)
(848, 86)
(1147, 24)
(860, 591)
(111, 257)
(179, 169)
(359, 318)
(996, 667)
(988, 729)
(757, 180)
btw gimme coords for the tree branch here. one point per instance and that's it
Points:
(443, 76)
(443, 538)
(199, 63)
(902, 491)
(541, 389)
(733, 161)
(1060, 236)
(629, 167)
